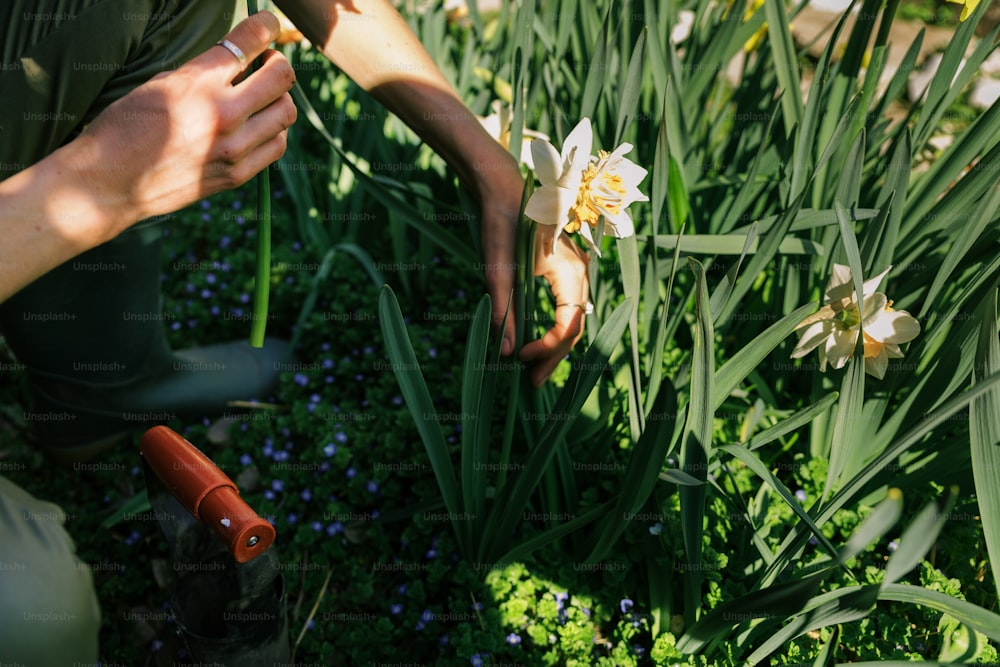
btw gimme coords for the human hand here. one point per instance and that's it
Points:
(566, 269)
(501, 207)
(195, 131)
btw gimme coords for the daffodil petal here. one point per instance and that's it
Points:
(492, 125)
(872, 284)
(576, 149)
(873, 308)
(840, 286)
(549, 205)
(893, 326)
(877, 365)
(589, 238)
(840, 346)
(621, 225)
(816, 334)
(824, 313)
(548, 164)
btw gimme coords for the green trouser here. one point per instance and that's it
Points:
(61, 63)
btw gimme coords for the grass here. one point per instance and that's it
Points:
(794, 465)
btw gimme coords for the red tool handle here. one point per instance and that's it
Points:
(206, 492)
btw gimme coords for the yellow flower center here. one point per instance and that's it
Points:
(872, 347)
(600, 192)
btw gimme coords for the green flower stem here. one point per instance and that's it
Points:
(262, 278)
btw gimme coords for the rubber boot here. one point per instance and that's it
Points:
(91, 336)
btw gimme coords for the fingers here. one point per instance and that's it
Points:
(251, 36)
(500, 285)
(499, 233)
(550, 349)
(273, 78)
(567, 274)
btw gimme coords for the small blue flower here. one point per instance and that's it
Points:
(513, 639)
(420, 625)
(340, 437)
(397, 400)
(656, 529)
(476, 606)
(334, 528)
(560, 599)
(431, 553)
(402, 589)
(301, 379)
(281, 455)
(638, 649)
(269, 494)
(244, 298)
(330, 449)
(396, 608)
(292, 518)
(427, 616)
(625, 605)
(444, 640)
(893, 545)
(205, 204)
(246, 460)
(477, 660)
(224, 242)
(328, 363)
(317, 526)
(372, 486)
(306, 495)
(800, 495)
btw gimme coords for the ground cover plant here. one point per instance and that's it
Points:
(698, 485)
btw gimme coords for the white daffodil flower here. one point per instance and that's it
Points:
(579, 189)
(834, 328)
(498, 123)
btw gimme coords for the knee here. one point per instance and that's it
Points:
(49, 613)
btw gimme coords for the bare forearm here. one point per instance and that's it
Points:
(50, 213)
(374, 46)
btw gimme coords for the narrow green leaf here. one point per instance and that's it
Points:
(643, 467)
(734, 371)
(786, 65)
(697, 441)
(473, 456)
(974, 616)
(632, 88)
(628, 255)
(918, 538)
(725, 287)
(411, 382)
(514, 497)
(984, 431)
(757, 466)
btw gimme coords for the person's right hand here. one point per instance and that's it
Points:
(195, 131)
